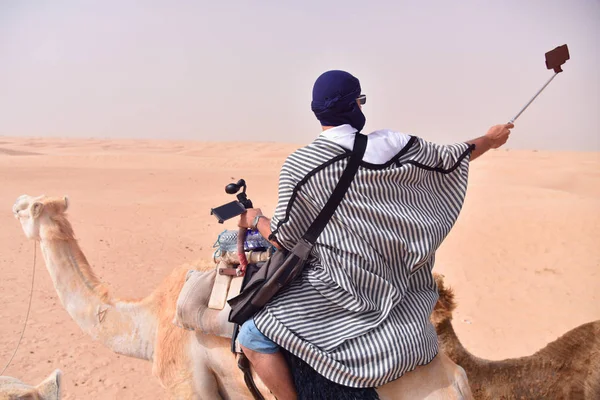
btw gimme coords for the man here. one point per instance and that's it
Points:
(359, 312)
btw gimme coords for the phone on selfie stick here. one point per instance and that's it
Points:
(555, 59)
(236, 207)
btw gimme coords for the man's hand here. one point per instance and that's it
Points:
(247, 218)
(495, 137)
(498, 135)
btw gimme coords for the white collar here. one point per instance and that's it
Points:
(382, 146)
(338, 132)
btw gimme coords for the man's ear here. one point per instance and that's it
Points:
(36, 209)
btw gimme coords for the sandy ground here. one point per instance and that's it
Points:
(524, 256)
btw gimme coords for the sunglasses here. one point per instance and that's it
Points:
(362, 99)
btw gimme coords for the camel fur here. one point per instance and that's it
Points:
(568, 368)
(13, 389)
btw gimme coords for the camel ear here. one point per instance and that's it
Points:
(30, 395)
(36, 209)
(66, 203)
(49, 389)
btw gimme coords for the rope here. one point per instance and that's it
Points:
(28, 309)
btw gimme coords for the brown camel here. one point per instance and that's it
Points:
(188, 364)
(568, 368)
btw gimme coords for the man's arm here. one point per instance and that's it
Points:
(263, 224)
(264, 228)
(482, 144)
(495, 137)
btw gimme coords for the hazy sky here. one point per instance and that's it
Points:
(244, 70)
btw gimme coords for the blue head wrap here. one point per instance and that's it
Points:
(334, 100)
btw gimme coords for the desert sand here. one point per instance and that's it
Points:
(524, 256)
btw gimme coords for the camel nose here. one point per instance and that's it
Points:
(16, 209)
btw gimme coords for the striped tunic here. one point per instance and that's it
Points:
(359, 312)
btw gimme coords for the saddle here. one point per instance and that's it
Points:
(198, 310)
(228, 282)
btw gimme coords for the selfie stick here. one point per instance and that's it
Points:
(554, 60)
(532, 99)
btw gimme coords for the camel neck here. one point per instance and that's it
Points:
(71, 273)
(451, 344)
(127, 328)
(69, 269)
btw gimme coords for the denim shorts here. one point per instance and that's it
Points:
(250, 337)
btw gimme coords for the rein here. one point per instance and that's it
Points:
(241, 238)
(28, 309)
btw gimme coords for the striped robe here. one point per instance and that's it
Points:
(359, 312)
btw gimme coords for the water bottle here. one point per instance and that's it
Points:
(255, 241)
(227, 241)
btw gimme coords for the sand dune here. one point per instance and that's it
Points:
(11, 152)
(524, 256)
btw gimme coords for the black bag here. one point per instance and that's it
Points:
(283, 266)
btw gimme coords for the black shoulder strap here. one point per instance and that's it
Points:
(313, 232)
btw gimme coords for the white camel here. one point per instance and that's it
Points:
(13, 389)
(188, 364)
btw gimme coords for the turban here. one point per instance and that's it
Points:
(334, 100)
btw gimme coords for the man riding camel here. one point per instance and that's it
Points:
(359, 312)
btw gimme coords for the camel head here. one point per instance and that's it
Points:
(445, 305)
(42, 216)
(14, 389)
